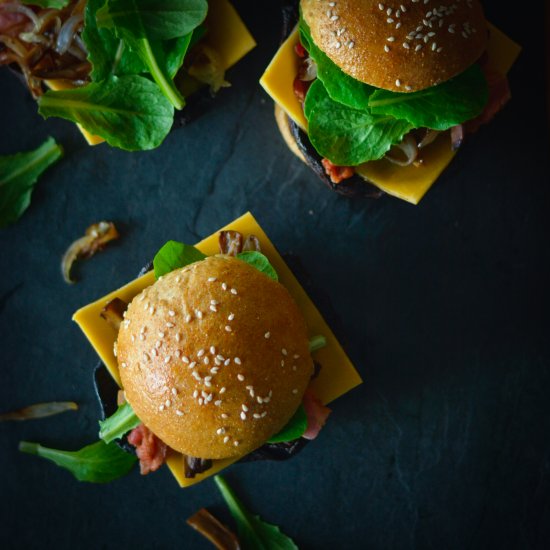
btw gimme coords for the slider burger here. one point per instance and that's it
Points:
(207, 358)
(377, 95)
(121, 69)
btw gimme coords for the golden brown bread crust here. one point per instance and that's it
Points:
(403, 50)
(174, 335)
(282, 123)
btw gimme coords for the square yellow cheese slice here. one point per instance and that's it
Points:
(227, 35)
(337, 375)
(409, 183)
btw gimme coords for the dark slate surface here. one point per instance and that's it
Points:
(443, 308)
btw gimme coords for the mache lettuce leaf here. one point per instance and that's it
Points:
(258, 261)
(129, 112)
(439, 107)
(254, 533)
(18, 176)
(295, 428)
(175, 255)
(145, 26)
(56, 4)
(118, 424)
(96, 463)
(347, 136)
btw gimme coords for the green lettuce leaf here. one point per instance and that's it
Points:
(174, 255)
(254, 533)
(56, 4)
(340, 86)
(439, 107)
(260, 262)
(108, 54)
(154, 19)
(295, 428)
(118, 424)
(128, 112)
(96, 463)
(347, 136)
(18, 176)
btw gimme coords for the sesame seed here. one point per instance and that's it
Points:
(213, 308)
(332, 4)
(157, 344)
(245, 408)
(451, 30)
(154, 352)
(294, 367)
(218, 361)
(329, 13)
(226, 362)
(220, 431)
(133, 338)
(200, 353)
(214, 302)
(259, 400)
(418, 48)
(231, 316)
(224, 286)
(177, 353)
(391, 39)
(214, 370)
(240, 377)
(207, 383)
(243, 415)
(185, 359)
(201, 400)
(161, 408)
(168, 403)
(284, 352)
(398, 26)
(179, 413)
(390, 20)
(283, 363)
(198, 314)
(222, 390)
(264, 414)
(380, 6)
(178, 279)
(267, 335)
(398, 13)
(234, 291)
(123, 365)
(389, 11)
(223, 415)
(196, 375)
(294, 391)
(161, 334)
(406, 45)
(204, 394)
(236, 443)
(192, 365)
(178, 337)
(206, 360)
(188, 318)
(228, 328)
(172, 313)
(386, 48)
(226, 439)
(403, 8)
(338, 45)
(142, 337)
(174, 391)
(151, 310)
(434, 46)
(220, 358)
(398, 82)
(195, 394)
(431, 33)
(167, 359)
(351, 44)
(296, 356)
(335, 18)
(237, 361)
(211, 279)
(218, 402)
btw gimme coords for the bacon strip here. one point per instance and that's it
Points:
(150, 450)
(316, 413)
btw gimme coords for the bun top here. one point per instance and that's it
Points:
(214, 358)
(398, 45)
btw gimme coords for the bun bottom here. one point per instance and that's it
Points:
(298, 142)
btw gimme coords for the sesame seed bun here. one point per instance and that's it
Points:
(219, 314)
(398, 45)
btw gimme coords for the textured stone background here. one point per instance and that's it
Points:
(443, 307)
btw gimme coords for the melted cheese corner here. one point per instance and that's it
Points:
(404, 182)
(227, 34)
(337, 376)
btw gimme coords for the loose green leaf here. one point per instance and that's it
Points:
(174, 52)
(260, 262)
(346, 136)
(128, 112)
(119, 424)
(96, 463)
(340, 86)
(18, 175)
(439, 107)
(295, 428)
(174, 255)
(254, 533)
(57, 4)
(317, 342)
(108, 54)
(154, 19)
